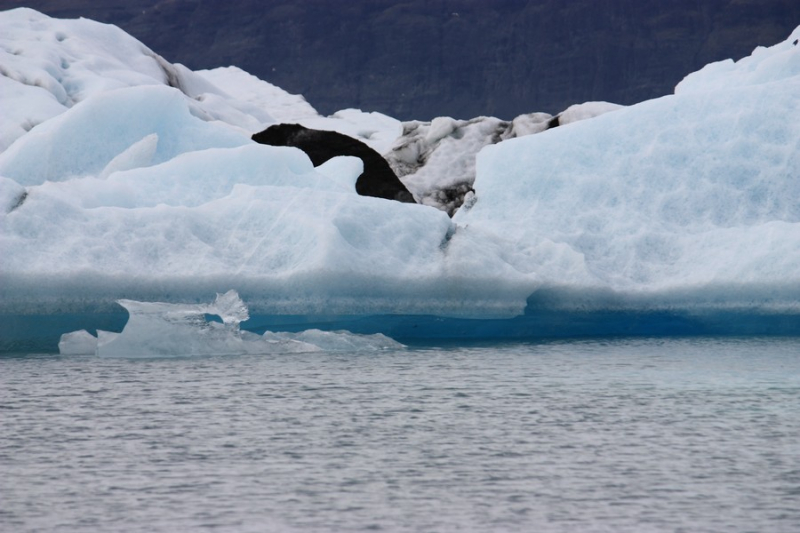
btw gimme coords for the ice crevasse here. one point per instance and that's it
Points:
(681, 210)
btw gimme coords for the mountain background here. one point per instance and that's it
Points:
(418, 59)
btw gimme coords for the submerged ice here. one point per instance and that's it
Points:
(157, 329)
(124, 177)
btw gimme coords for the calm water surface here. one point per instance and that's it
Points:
(617, 436)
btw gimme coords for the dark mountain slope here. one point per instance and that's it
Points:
(463, 58)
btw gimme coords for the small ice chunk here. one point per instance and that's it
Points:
(157, 329)
(230, 308)
(77, 343)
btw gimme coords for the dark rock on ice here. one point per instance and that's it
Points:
(378, 178)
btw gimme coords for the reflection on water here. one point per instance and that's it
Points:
(625, 435)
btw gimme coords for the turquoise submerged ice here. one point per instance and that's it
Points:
(154, 193)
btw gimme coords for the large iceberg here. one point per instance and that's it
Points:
(128, 178)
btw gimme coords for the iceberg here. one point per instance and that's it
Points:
(137, 181)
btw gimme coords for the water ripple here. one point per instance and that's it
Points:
(624, 436)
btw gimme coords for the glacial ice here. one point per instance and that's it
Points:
(436, 159)
(157, 329)
(128, 178)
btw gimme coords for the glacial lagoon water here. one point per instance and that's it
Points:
(625, 435)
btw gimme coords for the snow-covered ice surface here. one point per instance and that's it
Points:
(125, 177)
